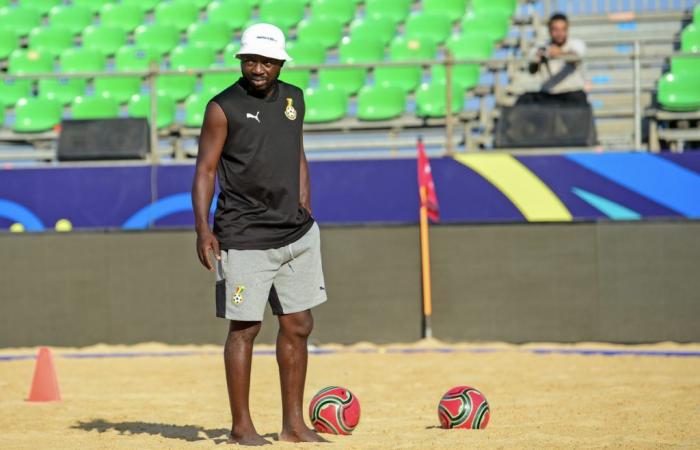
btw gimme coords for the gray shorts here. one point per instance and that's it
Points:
(290, 278)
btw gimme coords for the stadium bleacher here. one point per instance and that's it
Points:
(62, 37)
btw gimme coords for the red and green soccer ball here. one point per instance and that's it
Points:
(334, 410)
(463, 407)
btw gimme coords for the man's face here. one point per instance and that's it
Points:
(558, 31)
(260, 71)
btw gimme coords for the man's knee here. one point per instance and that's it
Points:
(298, 324)
(243, 331)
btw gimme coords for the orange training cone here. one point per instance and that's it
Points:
(45, 383)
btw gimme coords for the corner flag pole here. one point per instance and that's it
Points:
(425, 265)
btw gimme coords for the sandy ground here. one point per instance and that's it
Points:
(537, 400)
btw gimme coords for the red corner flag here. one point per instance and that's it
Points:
(428, 198)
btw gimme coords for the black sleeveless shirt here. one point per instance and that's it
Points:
(258, 205)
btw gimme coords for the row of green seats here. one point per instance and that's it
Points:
(37, 114)
(127, 58)
(370, 50)
(381, 103)
(235, 14)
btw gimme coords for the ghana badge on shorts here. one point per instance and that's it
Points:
(289, 110)
(237, 298)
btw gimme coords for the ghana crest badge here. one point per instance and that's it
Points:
(237, 298)
(289, 111)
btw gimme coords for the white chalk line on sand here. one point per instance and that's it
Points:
(390, 350)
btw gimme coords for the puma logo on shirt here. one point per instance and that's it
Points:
(250, 116)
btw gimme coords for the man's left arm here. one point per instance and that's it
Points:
(304, 183)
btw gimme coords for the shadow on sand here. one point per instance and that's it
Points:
(188, 433)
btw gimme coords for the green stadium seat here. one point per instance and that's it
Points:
(195, 105)
(9, 41)
(192, 57)
(76, 59)
(94, 107)
(20, 20)
(494, 26)
(4, 3)
(82, 59)
(696, 14)
(431, 100)
(201, 4)
(50, 40)
(74, 18)
(465, 46)
(134, 58)
(29, 61)
(402, 49)
(690, 38)
(380, 103)
(325, 30)
(305, 53)
(454, 9)
(127, 58)
(104, 38)
(213, 83)
(233, 13)
(157, 37)
(179, 87)
(686, 66)
(41, 6)
(396, 10)
(364, 50)
(215, 35)
(341, 10)
(144, 5)
(177, 13)
(436, 27)
(93, 5)
(381, 28)
(504, 8)
(36, 114)
(119, 88)
(299, 78)
(140, 106)
(283, 13)
(12, 89)
(325, 105)
(230, 59)
(678, 93)
(63, 90)
(126, 16)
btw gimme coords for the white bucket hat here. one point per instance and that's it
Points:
(264, 39)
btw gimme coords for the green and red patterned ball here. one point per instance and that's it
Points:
(334, 410)
(463, 407)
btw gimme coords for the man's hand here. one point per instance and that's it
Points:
(554, 51)
(207, 243)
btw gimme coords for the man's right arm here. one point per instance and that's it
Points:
(211, 144)
(535, 59)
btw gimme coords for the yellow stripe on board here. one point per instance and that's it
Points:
(527, 192)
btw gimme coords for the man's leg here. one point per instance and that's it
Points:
(292, 357)
(238, 355)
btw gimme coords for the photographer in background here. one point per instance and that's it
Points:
(561, 80)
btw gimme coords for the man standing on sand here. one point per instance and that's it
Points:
(265, 241)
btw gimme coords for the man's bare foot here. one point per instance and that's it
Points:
(251, 438)
(302, 435)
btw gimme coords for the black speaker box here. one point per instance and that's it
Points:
(103, 139)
